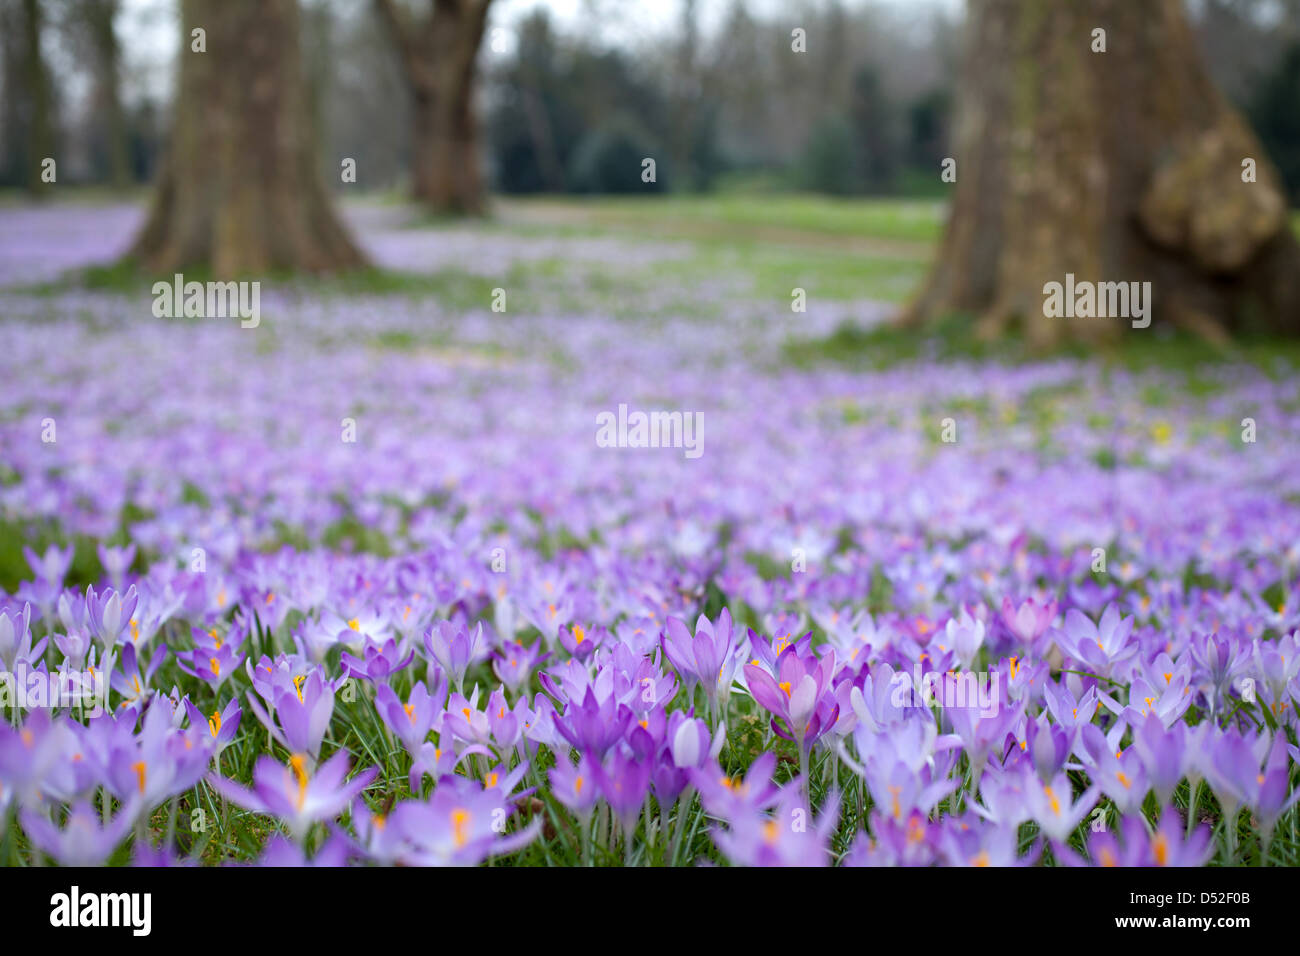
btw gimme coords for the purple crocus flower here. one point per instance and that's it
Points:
(379, 661)
(132, 682)
(593, 726)
(154, 764)
(710, 658)
(575, 786)
(1223, 658)
(50, 570)
(410, 722)
(513, 663)
(1054, 808)
(983, 733)
(972, 841)
(1067, 710)
(1162, 748)
(462, 824)
(785, 837)
(279, 852)
(799, 696)
(581, 642)
(729, 797)
(1028, 622)
(73, 647)
(1134, 845)
(964, 635)
(84, 839)
(16, 639)
(33, 759)
(454, 648)
(1233, 768)
(624, 782)
(913, 841)
(1048, 745)
(1278, 664)
(52, 566)
(302, 713)
(1099, 646)
(295, 795)
(109, 612)
(220, 726)
(684, 744)
(1168, 702)
(1122, 775)
(1274, 796)
(116, 562)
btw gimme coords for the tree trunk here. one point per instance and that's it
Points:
(100, 16)
(1116, 166)
(39, 102)
(438, 55)
(240, 190)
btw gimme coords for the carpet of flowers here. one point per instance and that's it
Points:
(473, 634)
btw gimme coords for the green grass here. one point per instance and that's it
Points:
(951, 339)
(739, 214)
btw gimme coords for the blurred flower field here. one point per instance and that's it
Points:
(364, 587)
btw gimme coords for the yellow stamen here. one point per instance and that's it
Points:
(299, 764)
(1056, 804)
(1160, 847)
(459, 823)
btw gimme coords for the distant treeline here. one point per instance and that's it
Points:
(866, 110)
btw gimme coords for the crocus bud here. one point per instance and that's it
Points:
(686, 745)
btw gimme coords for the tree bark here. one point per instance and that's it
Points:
(100, 16)
(1115, 166)
(240, 190)
(438, 55)
(38, 102)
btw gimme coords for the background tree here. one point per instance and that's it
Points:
(1117, 166)
(97, 22)
(438, 53)
(1275, 111)
(29, 100)
(240, 190)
